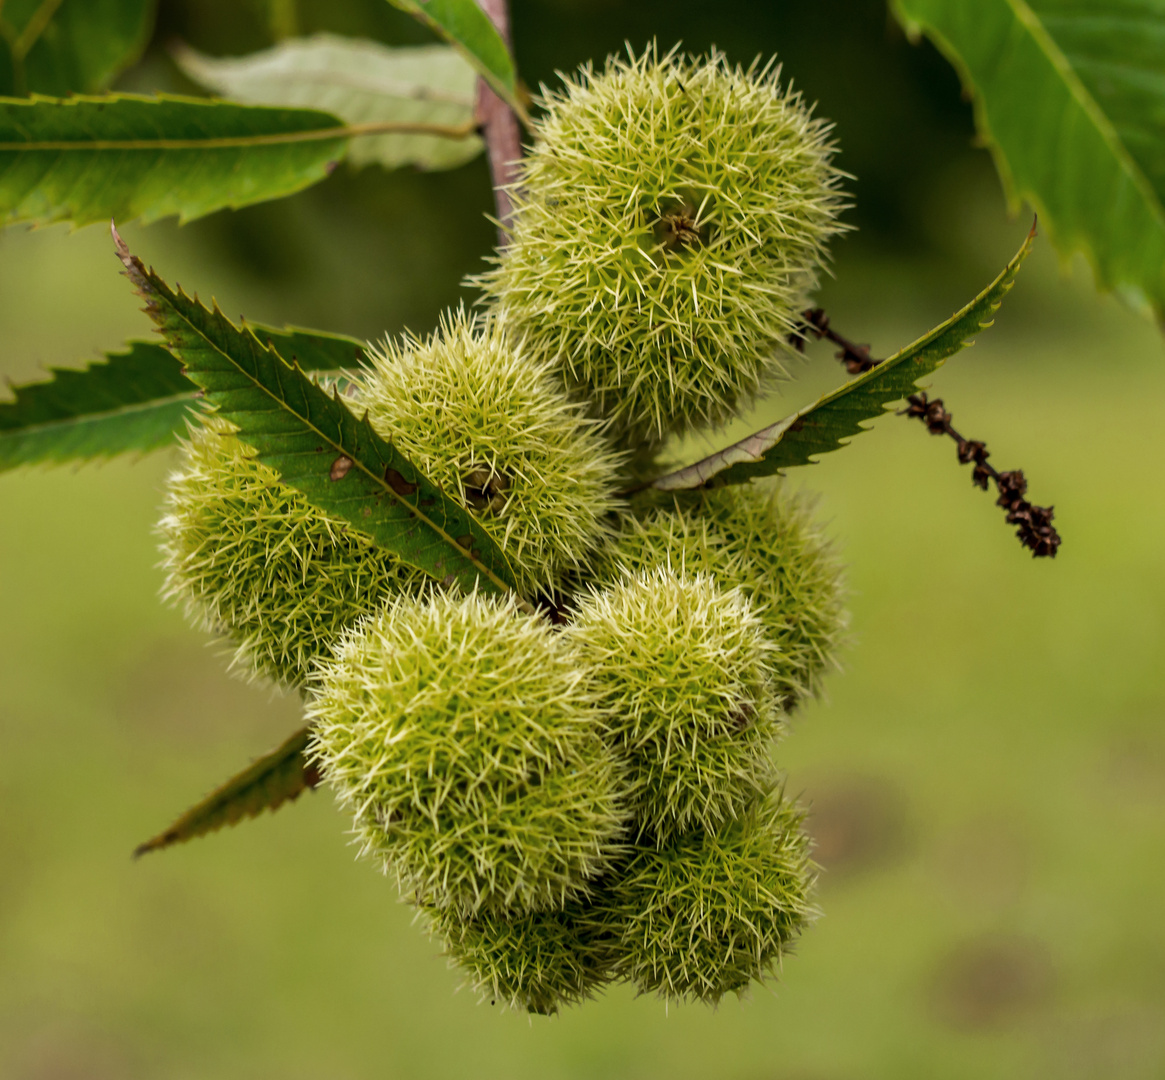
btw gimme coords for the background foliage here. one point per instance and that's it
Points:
(986, 781)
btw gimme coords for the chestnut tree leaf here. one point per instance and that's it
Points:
(266, 784)
(362, 82)
(469, 29)
(317, 444)
(1069, 95)
(88, 159)
(134, 401)
(64, 47)
(831, 421)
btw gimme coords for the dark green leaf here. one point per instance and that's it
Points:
(318, 445)
(134, 402)
(1070, 97)
(266, 784)
(828, 423)
(362, 82)
(127, 156)
(69, 46)
(463, 24)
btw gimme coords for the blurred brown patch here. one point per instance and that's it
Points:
(991, 982)
(1134, 769)
(65, 1051)
(858, 823)
(985, 862)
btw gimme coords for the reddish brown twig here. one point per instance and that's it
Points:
(856, 357)
(1033, 523)
(503, 140)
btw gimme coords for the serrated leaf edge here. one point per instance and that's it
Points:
(150, 287)
(192, 823)
(753, 448)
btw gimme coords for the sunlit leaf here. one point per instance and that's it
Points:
(362, 82)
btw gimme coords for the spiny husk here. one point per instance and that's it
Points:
(538, 961)
(670, 223)
(712, 911)
(762, 538)
(465, 741)
(681, 666)
(252, 559)
(473, 412)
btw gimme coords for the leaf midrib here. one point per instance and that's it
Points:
(97, 417)
(1031, 22)
(282, 406)
(229, 142)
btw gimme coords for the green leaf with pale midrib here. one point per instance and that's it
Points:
(317, 445)
(124, 156)
(840, 415)
(361, 82)
(78, 48)
(1070, 98)
(465, 26)
(136, 401)
(266, 784)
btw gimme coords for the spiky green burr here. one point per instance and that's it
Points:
(681, 666)
(538, 961)
(464, 739)
(252, 559)
(472, 410)
(670, 223)
(711, 912)
(761, 537)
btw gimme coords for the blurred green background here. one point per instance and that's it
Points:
(987, 780)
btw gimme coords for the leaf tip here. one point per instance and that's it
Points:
(134, 269)
(155, 843)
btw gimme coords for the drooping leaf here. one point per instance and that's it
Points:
(463, 24)
(318, 445)
(1070, 97)
(266, 784)
(136, 401)
(92, 158)
(832, 420)
(362, 82)
(64, 47)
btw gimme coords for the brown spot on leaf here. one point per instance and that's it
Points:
(398, 483)
(340, 468)
(465, 541)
